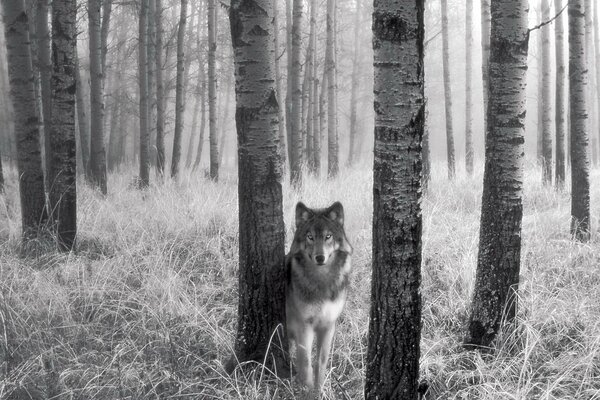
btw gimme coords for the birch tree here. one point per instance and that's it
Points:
(62, 175)
(354, 87)
(559, 116)
(295, 140)
(278, 80)
(330, 65)
(468, 88)
(212, 91)
(179, 100)
(498, 262)
(580, 163)
(261, 307)
(546, 101)
(447, 92)
(144, 133)
(26, 120)
(82, 122)
(160, 90)
(44, 64)
(597, 66)
(392, 365)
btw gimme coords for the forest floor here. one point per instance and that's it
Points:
(146, 306)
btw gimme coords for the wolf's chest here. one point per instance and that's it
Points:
(323, 312)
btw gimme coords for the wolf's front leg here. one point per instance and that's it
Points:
(324, 339)
(304, 342)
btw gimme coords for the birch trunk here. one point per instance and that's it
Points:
(83, 123)
(392, 365)
(144, 181)
(498, 263)
(310, 74)
(44, 64)
(261, 307)
(63, 172)
(282, 117)
(546, 101)
(160, 91)
(589, 51)
(468, 88)
(179, 100)
(26, 120)
(97, 146)
(560, 97)
(447, 92)
(322, 118)
(355, 86)
(597, 66)
(580, 163)
(295, 142)
(332, 134)
(290, 73)
(540, 93)
(212, 91)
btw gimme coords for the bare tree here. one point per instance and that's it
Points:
(261, 306)
(160, 91)
(447, 92)
(468, 88)
(597, 66)
(22, 91)
(44, 64)
(560, 97)
(546, 101)
(143, 96)
(392, 369)
(498, 263)
(295, 115)
(83, 123)
(179, 100)
(355, 86)
(278, 79)
(330, 65)
(212, 91)
(580, 163)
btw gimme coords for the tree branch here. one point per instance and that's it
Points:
(549, 21)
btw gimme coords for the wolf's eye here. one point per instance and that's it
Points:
(328, 236)
(309, 237)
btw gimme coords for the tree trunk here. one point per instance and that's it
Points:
(447, 92)
(597, 66)
(290, 73)
(151, 57)
(485, 55)
(143, 97)
(332, 134)
(310, 81)
(295, 141)
(392, 365)
(202, 121)
(540, 93)
(261, 308)
(498, 264)
(83, 123)
(546, 101)
(282, 126)
(104, 29)
(212, 91)
(45, 67)
(580, 164)
(22, 90)
(225, 118)
(355, 86)
(468, 89)
(97, 147)
(318, 146)
(560, 97)
(179, 100)
(589, 51)
(426, 174)
(160, 92)
(195, 112)
(63, 175)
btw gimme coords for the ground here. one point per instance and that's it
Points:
(146, 306)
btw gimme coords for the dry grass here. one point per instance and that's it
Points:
(146, 308)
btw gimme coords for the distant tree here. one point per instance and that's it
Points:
(318, 137)
(447, 92)
(330, 65)
(560, 97)
(97, 143)
(44, 65)
(83, 123)
(540, 92)
(202, 120)
(143, 96)
(468, 88)
(295, 115)
(392, 365)
(261, 307)
(179, 95)
(152, 90)
(355, 85)
(309, 78)
(498, 264)
(26, 120)
(63, 174)
(580, 163)
(546, 101)
(212, 90)
(160, 91)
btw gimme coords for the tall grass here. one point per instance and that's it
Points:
(146, 306)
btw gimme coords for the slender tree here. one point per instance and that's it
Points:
(580, 163)
(589, 51)
(392, 370)
(295, 115)
(143, 96)
(97, 146)
(447, 92)
(44, 64)
(330, 65)
(486, 23)
(498, 263)
(278, 80)
(179, 100)
(212, 90)
(63, 174)
(261, 274)
(468, 88)
(290, 75)
(160, 91)
(597, 66)
(355, 86)
(202, 120)
(83, 123)
(546, 101)
(26, 120)
(560, 97)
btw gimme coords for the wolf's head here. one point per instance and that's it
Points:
(320, 232)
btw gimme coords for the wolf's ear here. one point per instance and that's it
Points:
(335, 212)
(303, 213)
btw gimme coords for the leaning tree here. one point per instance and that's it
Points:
(499, 257)
(395, 317)
(261, 229)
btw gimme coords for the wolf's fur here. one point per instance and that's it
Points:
(318, 269)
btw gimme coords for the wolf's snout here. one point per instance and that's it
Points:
(320, 259)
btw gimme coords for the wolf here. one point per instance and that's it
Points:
(318, 273)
